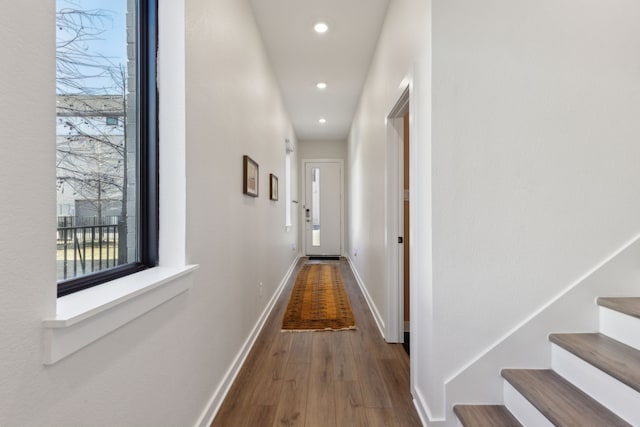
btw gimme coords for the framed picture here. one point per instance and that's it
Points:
(250, 177)
(273, 187)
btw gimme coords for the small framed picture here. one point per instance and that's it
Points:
(273, 187)
(250, 173)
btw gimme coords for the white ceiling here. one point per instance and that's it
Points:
(301, 58)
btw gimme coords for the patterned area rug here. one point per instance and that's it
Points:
(318, 301)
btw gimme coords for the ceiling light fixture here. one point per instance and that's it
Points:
(321, 85)
(321, 27)
(322, 121)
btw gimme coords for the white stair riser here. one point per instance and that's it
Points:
(616, 396)
(524, 411)
(620, 327)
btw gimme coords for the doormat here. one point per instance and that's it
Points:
(318, 301)
(324, 258)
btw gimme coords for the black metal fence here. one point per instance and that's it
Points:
(87, 244)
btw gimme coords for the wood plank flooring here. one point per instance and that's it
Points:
(321, 379)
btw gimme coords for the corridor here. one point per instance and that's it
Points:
(321, 379)
(524, 183)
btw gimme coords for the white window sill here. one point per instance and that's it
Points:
(85, 316)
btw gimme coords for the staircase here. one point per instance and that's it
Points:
(594, 379)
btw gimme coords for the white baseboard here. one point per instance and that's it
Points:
(213, 406)
(367, 297)
(422, 414)
(426, 418)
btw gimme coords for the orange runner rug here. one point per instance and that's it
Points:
(318, 301)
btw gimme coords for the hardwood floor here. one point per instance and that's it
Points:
(321, 379)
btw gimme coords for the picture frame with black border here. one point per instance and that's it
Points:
(273, 187)
(250, 176)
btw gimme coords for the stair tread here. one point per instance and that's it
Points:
(560, 401)
(629, 306)
(610, 356)
(485, 415)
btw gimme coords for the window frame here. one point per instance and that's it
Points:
(148, 174)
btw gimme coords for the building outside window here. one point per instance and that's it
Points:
(105, 140)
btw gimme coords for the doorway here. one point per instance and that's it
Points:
(398, 222)
(323, 207)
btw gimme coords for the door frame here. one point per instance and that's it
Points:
(395, 217)
(423, 321)
(303, 229)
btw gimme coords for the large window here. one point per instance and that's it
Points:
(106, 140)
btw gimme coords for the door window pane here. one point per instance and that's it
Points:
(315, 206)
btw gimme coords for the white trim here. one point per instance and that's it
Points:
(619, 326)
(215, 401)
(422, 409)
(394, 201)
(372, 307)
(393, 225)
(522, 409)
(172, 132)
(423, 368)
(74, 308)
(86, 316)
(401, 107)
(303, 228)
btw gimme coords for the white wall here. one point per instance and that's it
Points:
(322, 150)
(531, 162)
(402, 49)
(233, 108)
(27, 183)
(535, 157)
(402, 43)
(162, 368)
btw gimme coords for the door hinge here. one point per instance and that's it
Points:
(400, 239)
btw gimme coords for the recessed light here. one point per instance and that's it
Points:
(321, 27)
(322, 121)
(321, 85)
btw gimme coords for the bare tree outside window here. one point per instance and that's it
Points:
(96, 150)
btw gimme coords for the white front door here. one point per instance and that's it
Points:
(322, 209)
